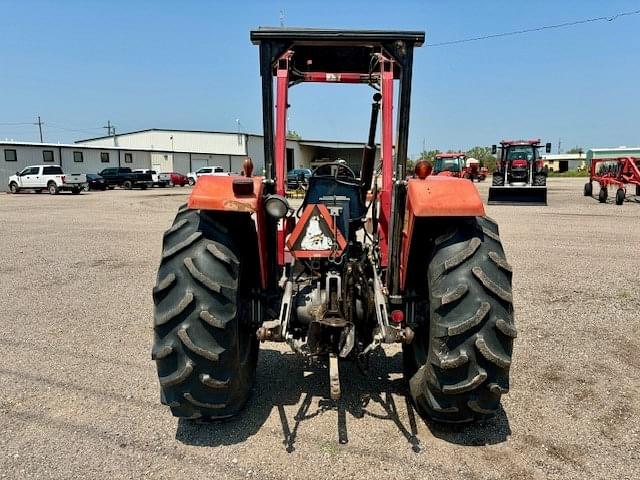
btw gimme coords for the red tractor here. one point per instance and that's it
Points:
(520, 176)
(616, 173)
(474, 172)
(457, 164)
(241, 265)
(450, 164)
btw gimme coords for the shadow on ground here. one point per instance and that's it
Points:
(287, 379)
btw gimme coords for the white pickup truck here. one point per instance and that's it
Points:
(213, 170)
(47, 177)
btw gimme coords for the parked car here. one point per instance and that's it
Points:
(297, 176)
(125, 178)
(95, 182)
(175, 178)
(46, 177)
(158, 180)
(213, 170)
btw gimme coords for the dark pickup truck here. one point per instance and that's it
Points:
(125, 178)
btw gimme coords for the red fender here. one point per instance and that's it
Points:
(217, 193)
(436, 196)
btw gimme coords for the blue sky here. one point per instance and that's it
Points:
(190, 65)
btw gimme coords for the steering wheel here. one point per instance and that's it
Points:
(342, 168)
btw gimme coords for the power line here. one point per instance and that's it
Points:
(610, 18)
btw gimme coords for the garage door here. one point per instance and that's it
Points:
(198, 163)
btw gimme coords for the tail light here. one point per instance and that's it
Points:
(397, 316)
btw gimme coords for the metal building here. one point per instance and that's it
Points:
(169, 151)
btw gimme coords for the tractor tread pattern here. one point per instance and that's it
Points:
(200, 320)
(461, 358)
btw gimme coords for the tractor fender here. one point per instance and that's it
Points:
(436, 196)
(217, 193)
(213, 192)
(443, 196)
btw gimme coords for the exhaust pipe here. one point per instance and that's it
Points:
(369, 153)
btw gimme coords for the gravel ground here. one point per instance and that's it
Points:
(80, 395)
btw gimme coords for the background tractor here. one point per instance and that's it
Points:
(474, 172)
(520, 176)
(450, 164)
(240, 265)
(459, 166)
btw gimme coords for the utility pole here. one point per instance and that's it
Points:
(282, 18)
(110, 128)
(111, 131)
(39, 123)
(559, 146)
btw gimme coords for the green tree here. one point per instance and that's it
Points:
(484, 156)
(429, 155)
(578, 150)
(293, 135)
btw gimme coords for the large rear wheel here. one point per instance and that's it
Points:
(205, 345)
(458, 364)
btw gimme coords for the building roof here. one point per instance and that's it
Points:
(565, 156)
(613, 149)
(165, 130)
(302, 141)
(329, 143)
(91, 147)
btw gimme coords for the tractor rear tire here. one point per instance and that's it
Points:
(458, 365)
(539, 181)
(205, 345)
(602, 196)
(498, 179)
(588, 189)
(620, 194)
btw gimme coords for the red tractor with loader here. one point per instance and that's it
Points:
(520, 176)
(618, 173)
(241, 265)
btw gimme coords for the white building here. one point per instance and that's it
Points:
(169, 151)
(565, 161)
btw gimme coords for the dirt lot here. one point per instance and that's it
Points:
(80, 395)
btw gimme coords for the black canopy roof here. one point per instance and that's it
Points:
(334, 50)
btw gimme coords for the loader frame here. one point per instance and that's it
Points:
(281, 54)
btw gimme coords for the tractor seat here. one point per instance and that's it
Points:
(327, 186)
